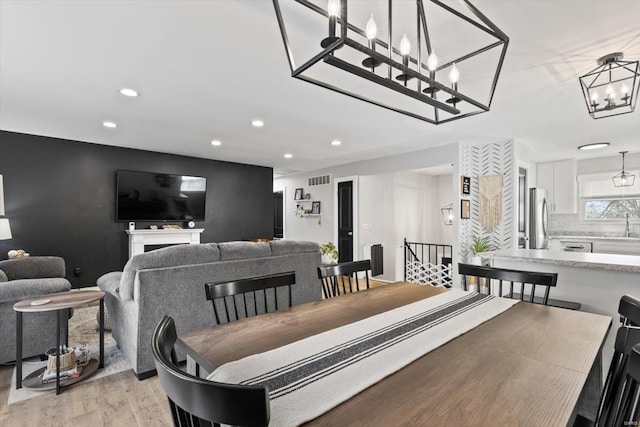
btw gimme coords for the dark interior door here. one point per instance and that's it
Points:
(345, 221)
(278, 211)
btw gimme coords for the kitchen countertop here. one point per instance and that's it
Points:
(628, 263)
(620, 238)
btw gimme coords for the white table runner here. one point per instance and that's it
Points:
(309, 377)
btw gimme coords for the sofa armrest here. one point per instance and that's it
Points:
(17, 290)
(110, 283)
(35, 267)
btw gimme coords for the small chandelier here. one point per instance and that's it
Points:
(623, 179)
(360, 53)
(447, 214)
(619, 83)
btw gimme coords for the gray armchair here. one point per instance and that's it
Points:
(25, 278)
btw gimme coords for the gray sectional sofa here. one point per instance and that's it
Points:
(170, 281)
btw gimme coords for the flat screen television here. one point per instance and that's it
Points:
(150, 196)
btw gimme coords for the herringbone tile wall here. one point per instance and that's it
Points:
(488, 159)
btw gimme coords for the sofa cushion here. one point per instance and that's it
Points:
(232, 251)
(170, 256)
(34, 267)
(287, 247)
(3, 276)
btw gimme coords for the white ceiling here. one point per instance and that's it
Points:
(205, 69)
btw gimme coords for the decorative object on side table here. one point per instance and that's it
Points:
(329, 253)
(479, 245)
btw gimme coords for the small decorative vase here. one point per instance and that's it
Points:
(328, 259)
(476, 260)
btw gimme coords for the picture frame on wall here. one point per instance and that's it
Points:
(465, 185)
(315, 208)
(465, 209)
(299, 194)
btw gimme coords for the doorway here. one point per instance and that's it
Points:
(346, 214)
(278, 215)
(345, 221)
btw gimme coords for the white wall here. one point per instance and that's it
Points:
(399, 205)
(321, 229)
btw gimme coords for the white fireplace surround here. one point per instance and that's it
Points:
(138, 239)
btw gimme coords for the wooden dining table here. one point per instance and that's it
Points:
(531, 365)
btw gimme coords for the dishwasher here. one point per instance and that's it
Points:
(576, 246)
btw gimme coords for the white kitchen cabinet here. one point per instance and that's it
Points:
(625, 247)
(559, 179)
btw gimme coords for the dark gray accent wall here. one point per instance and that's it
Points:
(60, 198)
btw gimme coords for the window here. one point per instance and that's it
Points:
(600, 200)
(611, 209)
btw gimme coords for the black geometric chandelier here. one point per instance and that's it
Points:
(384, 52)
(623, 179)
(611, 88)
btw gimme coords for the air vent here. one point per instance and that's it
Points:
(320, 180)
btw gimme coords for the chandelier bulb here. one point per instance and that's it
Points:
(610, 92)
(432, 61)
(371, 29)
(623, 179)
(454, 74)
(594, 97)
(405, 46)
(333, 7)
(624, 90)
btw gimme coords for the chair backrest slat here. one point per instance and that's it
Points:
(223, 291)
(195, 401)
(334, 277)
(518, 279)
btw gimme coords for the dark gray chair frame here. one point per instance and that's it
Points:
(521, 277)
(630, 405)
(226, 292)
(628, 335)
(194, 401)
(334, 276)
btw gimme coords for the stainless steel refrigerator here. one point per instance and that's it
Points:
(538, 219)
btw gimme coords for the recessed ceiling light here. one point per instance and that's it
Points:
(128, 92)
(257, 123)
(593, 146)
(109, 125)
(216, 143)
(336, 142)
(288, 155)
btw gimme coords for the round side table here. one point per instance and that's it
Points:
(55, 302)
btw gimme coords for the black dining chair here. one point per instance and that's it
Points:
(611, 407)
(344, 275)
(630, 401)
(195, 401)
(251, 296)
(519, 281)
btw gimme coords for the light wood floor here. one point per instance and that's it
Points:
(117, 400)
